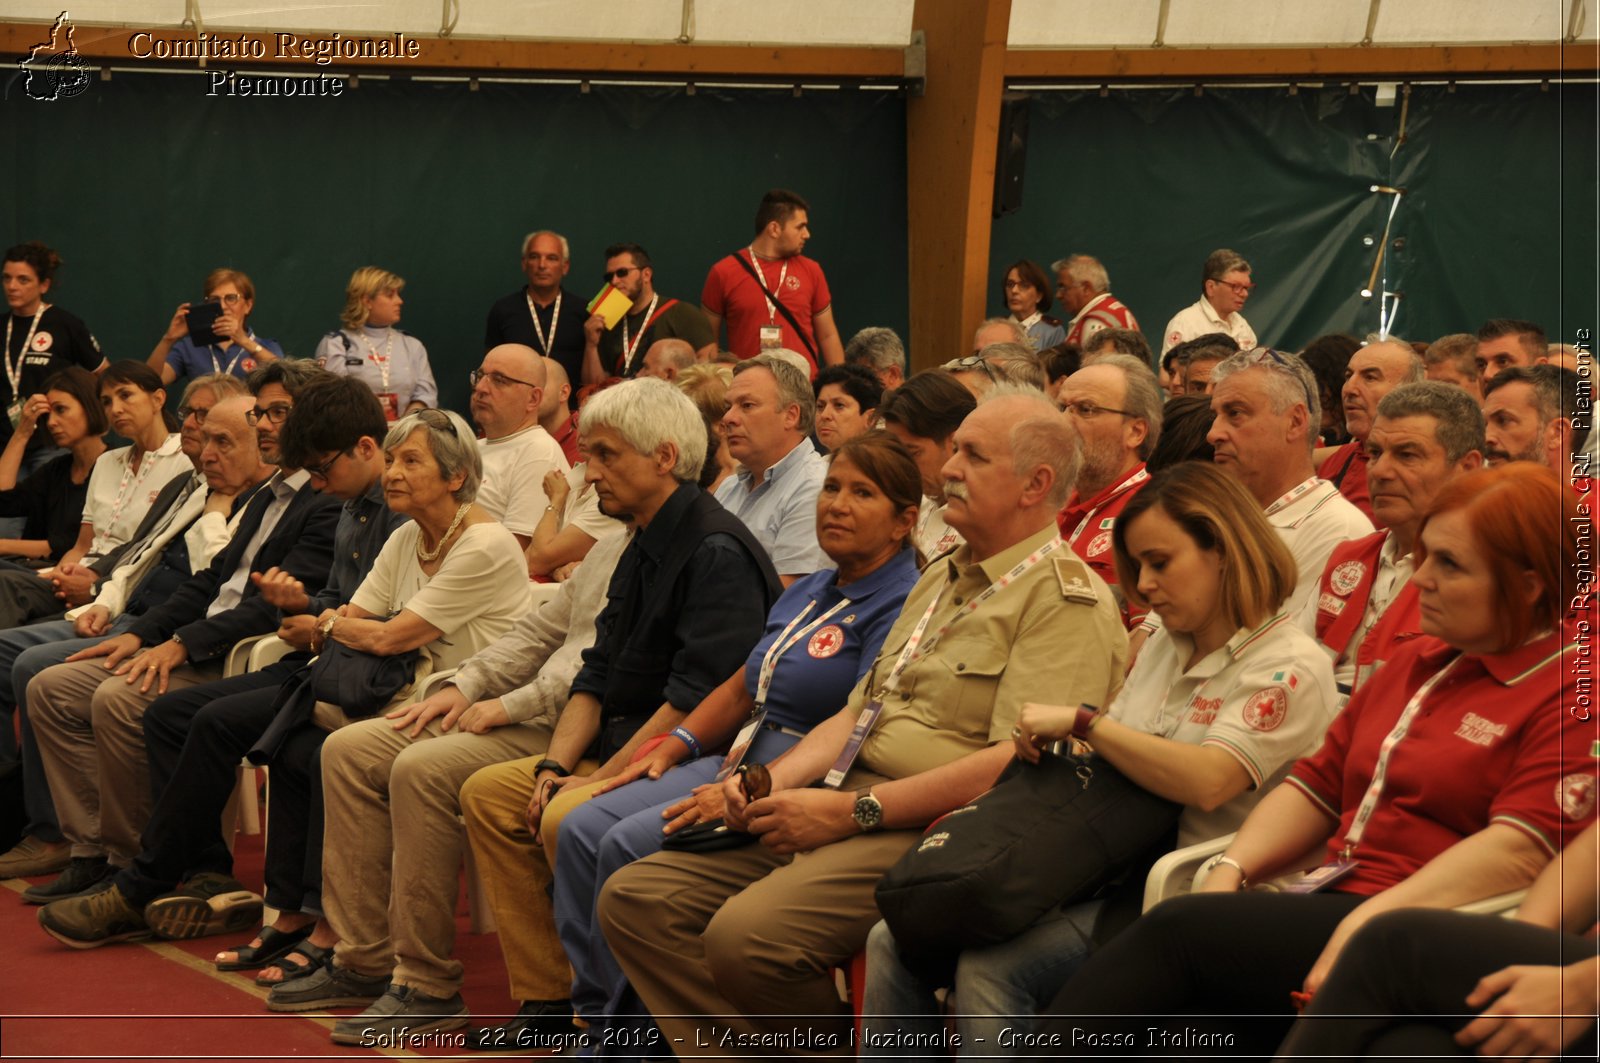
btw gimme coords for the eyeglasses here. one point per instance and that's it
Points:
(1008, 285)
(228, 300)
(439, 419)
(198, 412)
(618, 274)
(970, 363)
(1238, 289)
(1264, 355)
(1088, 411)
(277, 413)
(496, 380)
(321, 471)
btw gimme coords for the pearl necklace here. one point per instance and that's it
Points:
(425, 555)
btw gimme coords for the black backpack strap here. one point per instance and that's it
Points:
(788, 315)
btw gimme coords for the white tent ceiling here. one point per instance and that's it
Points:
(1034, 23)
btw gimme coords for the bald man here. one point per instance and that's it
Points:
(507, 392)
(556, 415)
(666, 359)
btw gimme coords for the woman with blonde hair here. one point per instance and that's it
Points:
(369, 347)
(707, 387)
(229, 346)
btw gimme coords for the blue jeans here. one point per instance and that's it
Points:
(24, 653)
(998, 989)
(608, 833)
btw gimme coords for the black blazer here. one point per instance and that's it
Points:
(301, 544)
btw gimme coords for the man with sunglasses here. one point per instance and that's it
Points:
(507, 393)
(1224, 286)
(543, 314)
(87, 713)
(620, 351)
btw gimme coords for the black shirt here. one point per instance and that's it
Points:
(510, 322)
(61, 340)
(51, 503)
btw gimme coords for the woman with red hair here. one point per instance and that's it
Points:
(1454, 775)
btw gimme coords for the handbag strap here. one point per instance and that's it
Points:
(788, 315)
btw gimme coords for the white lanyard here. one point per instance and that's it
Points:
(123, 493)
(1137, 478)
(382, 361)
(216, 366)
(14, 370)
(555, 315)
(629, 348)
(1294, 495)
(783, 275)
(783, 644)
(1380, 773)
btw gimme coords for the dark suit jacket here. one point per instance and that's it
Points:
(301, 544)
(165, 498)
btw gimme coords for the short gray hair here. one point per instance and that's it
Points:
(1289, 381)
(1220, 263)
(794, 385)
(1015, 363)
(1018, 333)
(1142, 397)
(647, 412)
(875, 348)
(1416, 369)
(1041, 437)
(221, 385)
(450, 441)
(566, 248)
(1460, 424)
(1086, 268)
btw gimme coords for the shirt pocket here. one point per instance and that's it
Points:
(967, 682)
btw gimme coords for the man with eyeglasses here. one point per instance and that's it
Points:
(87, 713)
(507, 392)
(1084, 289)
(620, 351)
(1224, 286)
(1115, 405)
(543, 314)
(771, 295)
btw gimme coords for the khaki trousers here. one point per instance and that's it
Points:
(516, 873)
(745, 941)
(89, 726)
(391, 849)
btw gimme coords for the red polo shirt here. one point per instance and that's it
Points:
(1086, 526)
(567, 437)
(1492, 743)
(1346, 469)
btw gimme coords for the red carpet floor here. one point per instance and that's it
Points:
(165, 1000)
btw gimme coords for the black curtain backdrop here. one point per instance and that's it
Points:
(144, 184)
(1498, 219)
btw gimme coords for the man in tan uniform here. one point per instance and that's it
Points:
(712, 941)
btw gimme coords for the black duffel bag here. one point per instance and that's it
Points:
(1045, 835)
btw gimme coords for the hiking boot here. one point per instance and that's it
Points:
(84, 875)
(401, 1013)
(209, 903)
(99, 918)
(31, 857)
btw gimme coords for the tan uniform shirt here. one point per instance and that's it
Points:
(1053, 635)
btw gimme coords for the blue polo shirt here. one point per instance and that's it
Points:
(188, 360)
(814, 679)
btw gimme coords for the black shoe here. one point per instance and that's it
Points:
(84, 875)
(208, 903)
(538, 1024)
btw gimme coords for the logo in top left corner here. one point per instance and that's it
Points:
(54, 70)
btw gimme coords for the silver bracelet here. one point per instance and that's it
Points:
(1244, 876)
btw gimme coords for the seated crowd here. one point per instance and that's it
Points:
(709, 650)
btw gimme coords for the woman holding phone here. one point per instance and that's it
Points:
(187, 349)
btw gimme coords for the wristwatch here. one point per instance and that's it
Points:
(551, 765)
(868, 812)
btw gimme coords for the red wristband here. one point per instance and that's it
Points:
(1087, 715)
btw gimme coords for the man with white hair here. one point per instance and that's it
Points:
(1266, 418)
(1084, 288)
(1373, 372)
(543, 314)
(747, 938)
(770, 413)
(1000, 330)
(880, 350)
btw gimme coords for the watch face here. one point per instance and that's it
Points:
(868, 812)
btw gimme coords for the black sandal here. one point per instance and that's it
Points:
(320, 957)
(275, 944)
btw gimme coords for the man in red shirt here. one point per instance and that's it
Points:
(1424, 435)
(770, 294)
(1115, 405)
(1373, 372)
(1084, 289)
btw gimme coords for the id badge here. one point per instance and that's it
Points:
(391, 404)
(741, 745)
(14, 411)
(771, 337)
(1323, 877)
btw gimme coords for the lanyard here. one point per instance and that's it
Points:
(216, 366)
(129, 479)
(1133, 481)
(769, 293)
(783, 644)
(1294, 495)
(382, 361)
(911, 654)
(628, 349)
(1380, 773)
(14, 370)
(555, 315)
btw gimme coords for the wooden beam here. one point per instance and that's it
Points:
(951, 134)
(1159, 64)
(122, 45)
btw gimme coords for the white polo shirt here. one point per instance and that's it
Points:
(1264, 698)
(1195, 321)
(1312, 519)
(118, 496)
